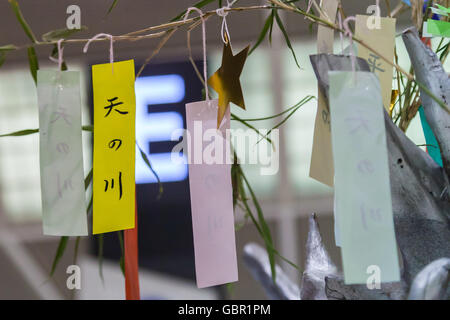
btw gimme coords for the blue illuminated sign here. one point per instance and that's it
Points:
(157, 127)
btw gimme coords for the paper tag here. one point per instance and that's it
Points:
(438, 28)
(321, 167)
(432, 145)
(364, 206)
(211, 195)
(381, 40)
(61, 153)
(114, 146)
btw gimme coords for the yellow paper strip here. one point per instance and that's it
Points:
(114, 146)
(382, 40)
(321, 168)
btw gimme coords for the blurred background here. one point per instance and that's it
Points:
(271, 83)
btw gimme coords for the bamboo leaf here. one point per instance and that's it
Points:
(112, 6)
(15, 7)
(286, 37)
(122, 257)
(2, 58)
(261, 225)
(100, 256)
(298, 104)
(26, 132)
(88, 179)
(262, 35)
(88, 128)
(33, 62)
(272, 14)
(264, 228)
(20, 133)
(75, 251)
(199, 5)
(234, 117)
(8, 47)
(149, 165)
(292, 110)
(58, 34)
(59, 253)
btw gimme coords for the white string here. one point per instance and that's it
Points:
(340, 33)
(348, 33)
(200, 12)
(60, 55)
(223, 12)
(309, 6)
(111, 51)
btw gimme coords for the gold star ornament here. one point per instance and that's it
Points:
(225, 81)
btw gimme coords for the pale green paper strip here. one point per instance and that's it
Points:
(363, 204)
(439, 12)
(442, 8)
(61, 155)
(438, 28)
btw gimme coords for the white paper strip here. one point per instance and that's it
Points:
(61, 154)
(364, 206)
(211, 195)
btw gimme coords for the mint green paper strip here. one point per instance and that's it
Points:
(432, 144)
(363, 202)
(61, 154)
(438, 28)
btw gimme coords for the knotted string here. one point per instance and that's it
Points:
(59, 61)
(111, 51)
(200, 12)
(223, 12)
(309, 6)
(348, 33)
(340, 33)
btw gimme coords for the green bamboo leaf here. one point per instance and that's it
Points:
(262, 35)
(75, 251)
(261, 225)
(112, 6)
(33, 62)
(2, 58)
(88, 179)
(292, 110)
(15, 7)
(149, 165)
(286, 37)
(272, 14)
(122, 248)
(88, 128)
(89, 205)
(59, 253)
(26, 132)
(199, 5)
(8, 47)
(58, 34)
(20, 133)
(298, 104)
(235, 117)
(264, 228)
(100, 256)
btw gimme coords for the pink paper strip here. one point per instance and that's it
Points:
(211, 195)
